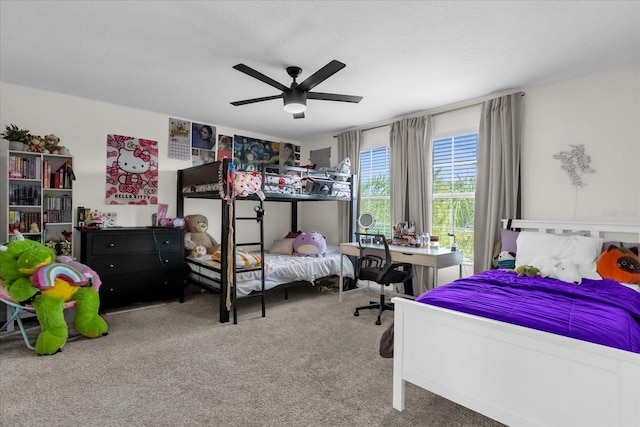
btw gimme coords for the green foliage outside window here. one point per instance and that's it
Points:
(375, 198)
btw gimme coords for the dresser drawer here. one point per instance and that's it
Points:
(116, 243)
(110, 265)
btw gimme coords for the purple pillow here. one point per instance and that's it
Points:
(508, 238)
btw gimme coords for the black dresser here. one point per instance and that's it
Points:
(138, 264)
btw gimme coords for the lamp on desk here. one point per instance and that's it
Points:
(454, 247)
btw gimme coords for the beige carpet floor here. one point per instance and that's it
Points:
(310, 362)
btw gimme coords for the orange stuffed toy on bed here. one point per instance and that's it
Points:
(620, 264)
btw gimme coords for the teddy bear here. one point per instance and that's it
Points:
(199, 252)
(32, 275)
(52, 145)
(197, 226)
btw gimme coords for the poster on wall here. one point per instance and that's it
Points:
(179, 141)
(203, 137)
(132, 171)
(250, 154)
(225, 147)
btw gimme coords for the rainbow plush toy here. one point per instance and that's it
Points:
(32, 275)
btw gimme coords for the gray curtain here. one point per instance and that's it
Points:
(411, 186)
(349, 146)
(498, 182)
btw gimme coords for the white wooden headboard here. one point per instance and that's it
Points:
(608, 231)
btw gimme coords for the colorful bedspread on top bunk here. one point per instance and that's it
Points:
(599, 311)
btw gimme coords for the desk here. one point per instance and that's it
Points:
(425, 257)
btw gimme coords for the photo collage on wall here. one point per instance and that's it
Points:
(203, 143)
(200, 143)
(250, 154)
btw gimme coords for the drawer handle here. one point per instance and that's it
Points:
(112, 245)
(166, 242)
(404, 253)
(111, 265)
(166, 261)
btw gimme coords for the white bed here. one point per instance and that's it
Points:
(513, 374)
(281, 269)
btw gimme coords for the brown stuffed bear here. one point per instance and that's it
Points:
(196, 234)
(52, 145)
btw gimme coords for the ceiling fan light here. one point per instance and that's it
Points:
(295, 102)
(295, 107)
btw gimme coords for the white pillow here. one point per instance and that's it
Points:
(580, 250)
(282, 247)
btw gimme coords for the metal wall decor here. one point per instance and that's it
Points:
(575, 163)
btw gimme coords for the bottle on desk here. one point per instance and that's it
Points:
(425, 240)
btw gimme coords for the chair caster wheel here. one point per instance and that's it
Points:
(356, 313)
(378, 322)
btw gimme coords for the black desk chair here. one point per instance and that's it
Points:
(374, 268)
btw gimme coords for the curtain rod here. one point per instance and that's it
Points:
(438, 110)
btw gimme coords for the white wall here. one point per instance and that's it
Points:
(83, 126)
(601, 111)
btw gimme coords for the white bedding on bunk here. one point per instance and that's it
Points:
(281, 269)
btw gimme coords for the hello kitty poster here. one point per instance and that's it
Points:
(132, 171)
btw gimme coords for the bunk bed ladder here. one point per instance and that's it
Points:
(259, 210)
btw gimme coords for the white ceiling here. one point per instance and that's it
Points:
(403, 57)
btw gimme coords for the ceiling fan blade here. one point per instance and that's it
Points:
(251, 101)
(298, 116)
(321, 75)
(333, 97)
(258, 75)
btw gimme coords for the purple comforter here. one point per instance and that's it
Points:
(599, 311)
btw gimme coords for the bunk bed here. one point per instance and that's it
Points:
(293, 185)
(508, 359)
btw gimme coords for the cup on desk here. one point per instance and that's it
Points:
(425, 240)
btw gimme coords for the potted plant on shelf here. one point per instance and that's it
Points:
(17, 137)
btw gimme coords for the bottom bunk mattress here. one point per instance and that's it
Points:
(279, 269)
(599, 311)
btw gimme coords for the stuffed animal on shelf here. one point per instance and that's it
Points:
(197, 226)
(35, 144)
(32, 275)
(52, 145)
(310, 244)
(620, 264)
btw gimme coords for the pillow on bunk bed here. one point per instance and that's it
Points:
(582, 251)
(243, 258)
(282, 246)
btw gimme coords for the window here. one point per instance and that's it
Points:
(375, 188)
(454, 186)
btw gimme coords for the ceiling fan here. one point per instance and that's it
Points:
(295, 97)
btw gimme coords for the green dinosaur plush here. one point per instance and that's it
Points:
(31, 275)
(527, 270)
